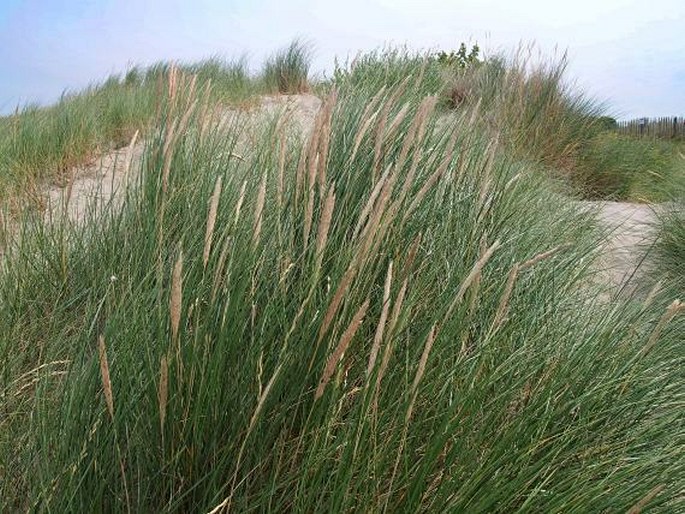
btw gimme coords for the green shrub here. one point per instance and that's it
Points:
(459, 59)
(607, 123)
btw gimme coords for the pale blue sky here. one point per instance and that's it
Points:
(629, 52)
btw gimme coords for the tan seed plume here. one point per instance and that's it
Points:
(411, 256)
(340, 349)
(366, 123)
(104, 373)
(186, 118)
(374, 229)
(337, 299)
(211, 220)
(542, 256)
(308, 214)
(239, 205)
(324, 226)
(129, 153)
(259, 210)
(503, 307)
(176, 298)
(653, 493)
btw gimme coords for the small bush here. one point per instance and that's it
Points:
(459, 59)
(287, 71)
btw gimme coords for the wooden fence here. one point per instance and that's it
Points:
(657, 128)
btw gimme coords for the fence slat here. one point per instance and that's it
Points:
(656, 128)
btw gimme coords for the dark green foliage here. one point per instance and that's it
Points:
(607, 123)
(459, 59)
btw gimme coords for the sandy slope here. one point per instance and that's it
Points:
(97, 184)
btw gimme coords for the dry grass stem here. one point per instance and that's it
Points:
(324, 225)
(370, 202)
(225, 505)
(176, 298)
(259, 211)
(475, 270)
(428, 345)
(104, 372)
(541, 256)
(676, 307)
(639, 506)
(340, 349)
(397, 120)
(211, 220)
(503, 307)
(378, 337)
(239, 204)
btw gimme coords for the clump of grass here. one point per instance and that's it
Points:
(287, 71)
(230, 80)
(670, 249)
(540, 115)
(621, 167)
(42, 144)
(348, 335)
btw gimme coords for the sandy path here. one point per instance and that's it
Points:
(631, 232)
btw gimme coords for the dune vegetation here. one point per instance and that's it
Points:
(397, 311)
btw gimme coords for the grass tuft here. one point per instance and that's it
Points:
(287, 71)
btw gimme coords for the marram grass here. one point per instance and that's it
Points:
(348, 323)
